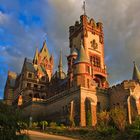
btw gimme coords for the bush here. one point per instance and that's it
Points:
(10, 122)
(34, 124)
(88, 118)
(136, 123)
(43, 124)
(53, 124)
(23, 125)
(118, 116)
(106, 131)
(103, 118)
(62, 126)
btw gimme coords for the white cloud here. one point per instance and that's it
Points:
(3, 18)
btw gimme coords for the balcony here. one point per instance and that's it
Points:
(99, 71)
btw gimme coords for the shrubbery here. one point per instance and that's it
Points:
(53, 124)
(10, 122)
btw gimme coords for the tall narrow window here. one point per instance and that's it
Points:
(96, 61)
(98, 107)
(88, 69)
(28, 85)
(88, 83)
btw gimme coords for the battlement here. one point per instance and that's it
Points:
(126, 84)
(116, 87)
(86, 23)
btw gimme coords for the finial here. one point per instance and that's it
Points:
(84, 7)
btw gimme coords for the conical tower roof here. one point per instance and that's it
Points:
(35, 56)
(82, 56)
(136, 73)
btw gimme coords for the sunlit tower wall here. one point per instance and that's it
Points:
(91, 35)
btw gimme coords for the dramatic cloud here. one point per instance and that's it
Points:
(25, 24)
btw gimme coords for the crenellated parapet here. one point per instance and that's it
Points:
(85, 25)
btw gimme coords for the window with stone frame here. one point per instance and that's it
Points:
(30, 75)
(29, 85)
(96, 61)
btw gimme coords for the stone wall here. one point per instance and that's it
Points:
(118, 95)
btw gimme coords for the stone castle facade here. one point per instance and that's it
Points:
(84, 90)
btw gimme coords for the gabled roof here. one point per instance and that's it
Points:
(136, 73)
(44, 51)
(82, 56)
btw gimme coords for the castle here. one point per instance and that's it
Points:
(81, 92)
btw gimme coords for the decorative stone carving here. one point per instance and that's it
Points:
(94, 45)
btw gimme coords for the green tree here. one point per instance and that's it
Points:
(88, 118)
(10, 122)
(118, 116)
(43, 124)
(103, 118)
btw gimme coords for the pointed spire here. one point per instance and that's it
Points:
(44, 50)
(35, 56)
(84, 7)
(82, 57)
(60, 66)
(136, 73)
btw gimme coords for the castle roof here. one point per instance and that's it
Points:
(44, 51)
(36, 55)
(82, 56)
(60, 74)
(136, 73)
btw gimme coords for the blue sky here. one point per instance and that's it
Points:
(24, 24)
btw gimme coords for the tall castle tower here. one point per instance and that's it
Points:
(89, 34)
